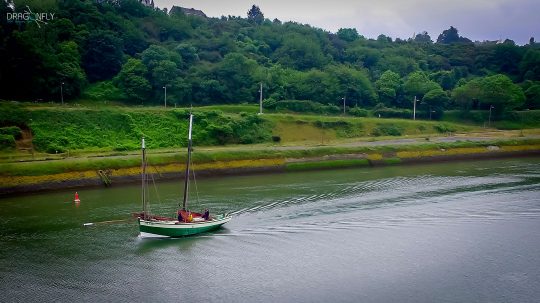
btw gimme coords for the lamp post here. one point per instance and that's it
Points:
(260, 98)
(489, 119)
(62, 93)
(165, 102)
(522, 114)
(344, 100)
(414, 109)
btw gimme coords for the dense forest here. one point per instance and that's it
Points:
(124, 51)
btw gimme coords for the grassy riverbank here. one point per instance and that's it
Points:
(75, 172)
(78, 129)
(56, 147)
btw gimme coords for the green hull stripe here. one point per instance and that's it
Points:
(178, 232)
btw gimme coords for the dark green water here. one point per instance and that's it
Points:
(455, 232)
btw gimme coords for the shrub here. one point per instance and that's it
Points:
(304, 106)
(7, 142)
(269, 103)
(358, 112)
(478, 117)
(58, 130)
(103, 91)
(386, 130)
(393, 113)
(54, 148)
(125, 147)
(444, 128)
(11, 130)
(13, 114)
(343, 129)
(251, 128)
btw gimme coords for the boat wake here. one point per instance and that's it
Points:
(392, 202)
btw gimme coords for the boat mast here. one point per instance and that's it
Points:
(143, 178)
(187, 163)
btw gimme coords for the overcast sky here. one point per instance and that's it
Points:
(475, 19)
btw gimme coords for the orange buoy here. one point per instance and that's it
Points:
(76, 200)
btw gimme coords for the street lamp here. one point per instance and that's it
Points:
(489, 119)
(414, 109)
(430, 111)
(344, 100)
(165, 88)
(522, 114)
(62, 92)
(260, 99)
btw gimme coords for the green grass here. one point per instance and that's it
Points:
(512, 120)
(326, 164)
(61, 129)
(113, 129)
(317, 128)
(232, 109)
(37, 168)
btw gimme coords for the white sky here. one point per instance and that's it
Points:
(475, 19)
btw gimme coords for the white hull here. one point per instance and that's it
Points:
(178, 229)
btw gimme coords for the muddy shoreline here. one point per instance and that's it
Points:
(361, 161)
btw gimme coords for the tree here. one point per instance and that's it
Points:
(348, 34)
(162, 68)
(102, 57)
(446, 79)
(155, 53)
(313, 85)
(506, 58)
(163, 72)
(417, 84)
(403, 65)
(255, 15)
(497, 91)
(501, 92)
(134, 41)
(365, 56)
(533, 96)
(435, 100)
(69, 71)
(351, 83)
(465, 94)
(384, 39)
(423, 37)
(188, 52)
(132, 81)
(450, 36)
(236, 72)
(530, 65)
(300, 52)
(388, 86)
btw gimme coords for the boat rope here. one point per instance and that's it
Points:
(195, 181)
(147, 192)
(155, 189)
(157, 171)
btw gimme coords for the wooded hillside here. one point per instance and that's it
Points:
(124, 51)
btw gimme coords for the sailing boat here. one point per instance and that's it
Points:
(188, 223)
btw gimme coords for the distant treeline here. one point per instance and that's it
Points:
(124, 51)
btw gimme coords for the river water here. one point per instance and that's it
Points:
(451, 232)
